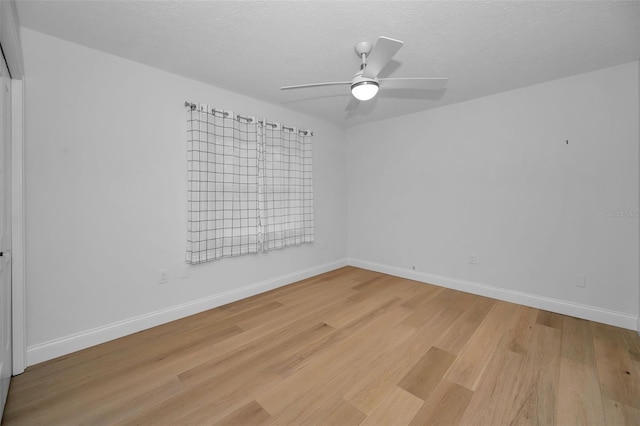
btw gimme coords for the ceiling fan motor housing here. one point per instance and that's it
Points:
(364, 88)
(359, 79)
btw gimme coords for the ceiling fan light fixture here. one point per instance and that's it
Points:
(364, 90)
(364, 84)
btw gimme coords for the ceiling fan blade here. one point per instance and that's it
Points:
(353, 104)
(381, 54)
(304, 86)
(413, 83)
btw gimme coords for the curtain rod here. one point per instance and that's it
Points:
(248, 119)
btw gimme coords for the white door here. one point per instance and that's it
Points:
(5, 234)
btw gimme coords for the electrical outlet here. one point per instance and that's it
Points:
(473, 259)
(581, 281)
(163, 276)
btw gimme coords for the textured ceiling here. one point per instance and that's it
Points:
(253, 48)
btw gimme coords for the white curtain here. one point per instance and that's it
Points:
(223, 216)
(286, 186)
(250, 185)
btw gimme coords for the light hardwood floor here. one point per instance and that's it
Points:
(348, 347)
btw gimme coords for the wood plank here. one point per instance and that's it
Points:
(303, 315)
(534, 400)
(207, 402)
(272, 347)
(550, 319)
(426, 308)
(519, 387)
(423, 378)
(632, 344)
(336, 411)
(616, 413)
(494, 398)
(250, 414)
(356, 308)
(330, 363)
(619, 379)
(519, 339)
(474, 358)
(333, 385)
(422, 300)
(445, 406)
(368, 391)
(579, 396)
(398, 408)
(465, 325)
(304, 356)
(414, 289)
(119, 407)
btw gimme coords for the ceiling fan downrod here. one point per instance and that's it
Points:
(363, 49)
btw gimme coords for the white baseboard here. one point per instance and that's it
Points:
(591, 313)
(75, 342)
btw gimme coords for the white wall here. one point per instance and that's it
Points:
(106, 199)
(495, 177)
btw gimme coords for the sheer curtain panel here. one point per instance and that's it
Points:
(286, 186)
(223, 216)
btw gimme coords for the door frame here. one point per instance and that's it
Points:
(12, 50)
(18, 288)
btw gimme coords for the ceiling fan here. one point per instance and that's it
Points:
(365, 83)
